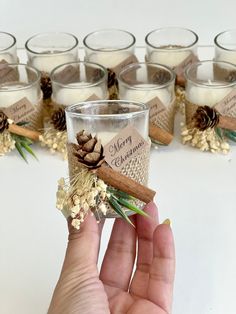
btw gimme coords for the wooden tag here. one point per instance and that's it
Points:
(123, 147)
(19, 111)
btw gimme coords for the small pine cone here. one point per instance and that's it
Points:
(205, 117)
(160, 77)
(231, 77)
(112, 80)
(46, 86)
(3, 122)
(58, 119)
(89, 150)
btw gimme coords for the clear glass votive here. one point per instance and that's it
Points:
(172, 46)
(106, 119)
(78, 81)
(153, 84)
(8, 51)
(207, 86)
(18, 81)
(46, 51)
(225, 46)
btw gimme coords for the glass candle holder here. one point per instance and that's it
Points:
(154, 85)
(48, 50)
(18, 81)
(173, 47)
(106, 119)
(8, 48)
(78, 81)
(206, 86)
(113, 49)
(225, 46)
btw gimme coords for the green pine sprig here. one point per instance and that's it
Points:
(119, 199)
(23, 144)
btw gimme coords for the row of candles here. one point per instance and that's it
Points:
(169, 51)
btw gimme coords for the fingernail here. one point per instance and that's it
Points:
(167, 222)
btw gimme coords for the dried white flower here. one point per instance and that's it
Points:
(7, 143)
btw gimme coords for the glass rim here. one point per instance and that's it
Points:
(12, 37)
(128, 67)
(29, 85)
(220, 34)
(109, 30)
(104, 78)
(51, 33)
(168, 28)
(205, 84)
(69, 110)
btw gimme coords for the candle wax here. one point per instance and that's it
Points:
(208, 96)
(46, 63)
(171, 58)
(227, 56)
(144, 94)
(70, 94)
(105, 137)
(109, 59)
(10, 94)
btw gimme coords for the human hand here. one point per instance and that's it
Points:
(81, 289)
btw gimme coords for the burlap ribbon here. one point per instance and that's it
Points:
(137, 169)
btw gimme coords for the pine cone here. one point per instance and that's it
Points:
(112, 80)
(46, 86)
(205, 117)
(160, 77)
(232, 77)
(89, 151)
(58, 119)
(3, 122)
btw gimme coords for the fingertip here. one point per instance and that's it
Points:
(163, 241)
(151, 210)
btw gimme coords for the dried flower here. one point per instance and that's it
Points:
(7, 143)
(55, 140)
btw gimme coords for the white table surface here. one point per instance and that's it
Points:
(197, 191)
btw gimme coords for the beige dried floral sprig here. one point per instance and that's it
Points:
(180, 99)
(55, 140)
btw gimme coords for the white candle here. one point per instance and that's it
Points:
(76, 92)
(170, 57)
(227, 56)
(8, 57)
(105, 137)
(15, 92)
(206, 95)
(145, 93)
(109, 59)
(47, 62)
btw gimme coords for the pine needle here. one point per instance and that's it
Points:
(119, 210)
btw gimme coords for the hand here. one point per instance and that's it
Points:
(80, 289)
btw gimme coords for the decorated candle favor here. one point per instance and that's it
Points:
(7, 48)
(20, 105)
(48, 50)
(154, 85)
(108, 156)
(173, 47)
(225, 46)
(210, 96)
(78, 81)
(112, 48)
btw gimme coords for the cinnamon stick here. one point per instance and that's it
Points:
(159, 134)
(227, 123)
(125, 184)
(19, 130)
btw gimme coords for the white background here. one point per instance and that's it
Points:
(195, 190)
(24, 18)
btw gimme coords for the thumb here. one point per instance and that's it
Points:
(83, 245)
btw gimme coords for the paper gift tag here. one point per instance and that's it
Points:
(8, 73)
(155, 107)
(120, 66)
(19, 111)
(126, 145)
(227, 106)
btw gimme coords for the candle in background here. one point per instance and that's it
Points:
(109, 47)
(205, 86)
(48, 50)
(172, 47)
(225, 46)
(8, 48)
(24, 81)
(152, 84)
(78, 81)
